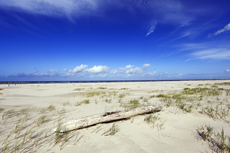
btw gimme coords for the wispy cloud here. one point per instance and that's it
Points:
(227, 70)
(53, 8)
(152, 28)
(226, 28)
(216, 54)
(211, 50)
(164, 11)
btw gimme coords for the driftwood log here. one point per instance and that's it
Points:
(106, 117)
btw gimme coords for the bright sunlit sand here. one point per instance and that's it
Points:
(194, 117)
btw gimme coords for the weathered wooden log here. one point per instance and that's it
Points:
(105, 118)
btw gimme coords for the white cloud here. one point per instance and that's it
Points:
(96, 72)
(138, 70)
(134, 71)
(78, 69)
(227, 70)
(226, 28)
(121, 70)
(128, 66)
(98, 69)
(146, 65)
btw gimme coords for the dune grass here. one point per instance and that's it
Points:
(102, 88)
(131, 104)
(218, 141)
(92, 94)
(112, 131)
(86, 101)
(78, 89)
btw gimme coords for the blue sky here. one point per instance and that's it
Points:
(114, 40)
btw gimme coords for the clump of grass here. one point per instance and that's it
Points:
(9, 114)
(185, 107)
(1, 88)
(66, 103)
(131, 104)
(58, 133)
(108, 100)
(162, 96)
(42, 120)
(86, 101)
(124, 88)
(223, 142)
(92, 94)
(1, 93)
(145, 100)
(152, 96)
(216, 113)
(200, 84)
(219, 142)
(51, 108)
(78, 89)
(112, 131)
(214, 86)
(121, 95)
(205, 132)
(113, 93)
(134, 103)
(102, 88)
(151, 119)
(1, 109)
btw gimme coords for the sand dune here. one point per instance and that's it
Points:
(30, 112)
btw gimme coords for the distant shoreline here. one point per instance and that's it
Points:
(99, 81)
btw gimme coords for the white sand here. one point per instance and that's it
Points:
(174, 131)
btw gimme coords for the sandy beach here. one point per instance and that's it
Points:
(194, 115)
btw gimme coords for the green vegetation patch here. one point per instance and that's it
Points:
(202, 91)
(102, 88)
(86, 101)
(224, 84)
(51, 108)
(78, 89)
(162, 96)
(1, 109)
(92, 94)
(124, 88)
(131, 104)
